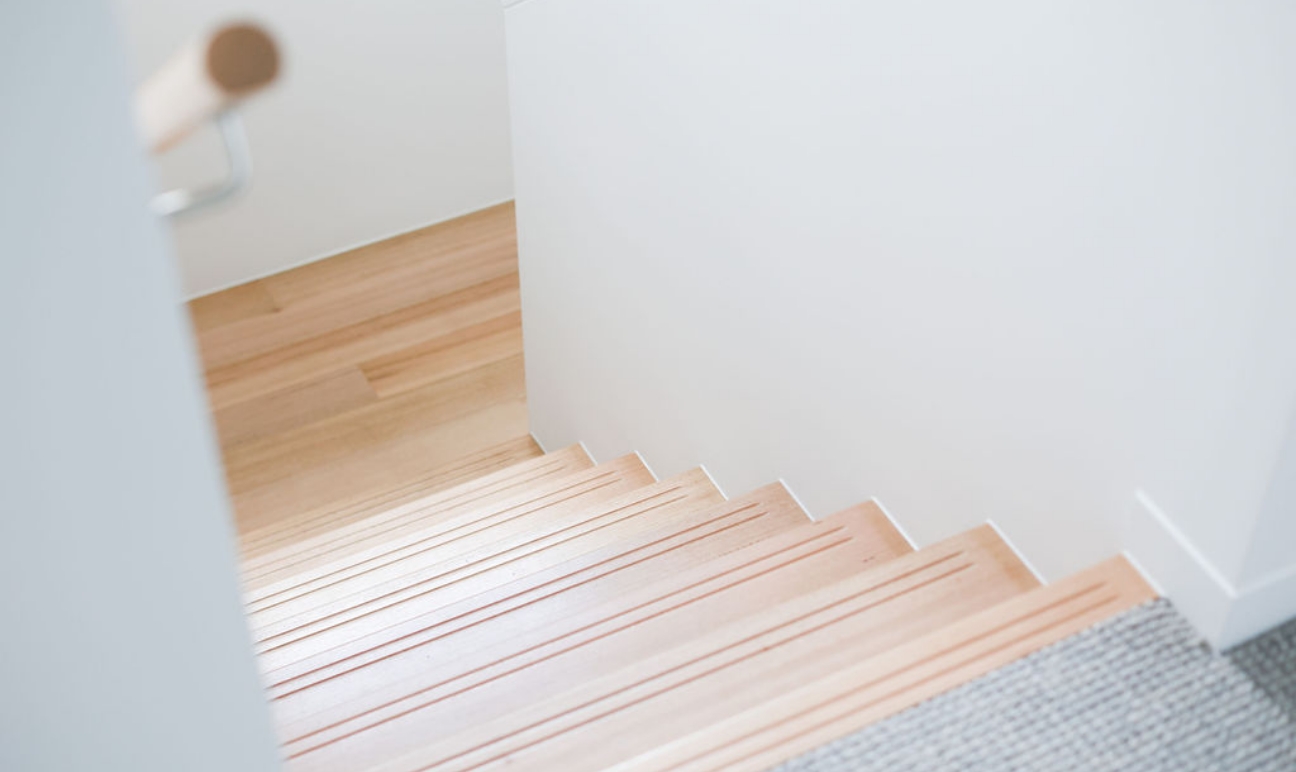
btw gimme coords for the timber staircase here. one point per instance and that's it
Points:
(563, 615)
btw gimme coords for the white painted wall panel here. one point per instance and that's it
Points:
(1005, 260)
(391, 115)
(125, 647)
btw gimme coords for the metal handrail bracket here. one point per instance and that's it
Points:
(184, 201)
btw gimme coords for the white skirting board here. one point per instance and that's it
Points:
(1223, 613)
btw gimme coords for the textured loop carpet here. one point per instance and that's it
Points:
(1139, 692)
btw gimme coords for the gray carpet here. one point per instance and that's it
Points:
(1270, 662)
(1139, 692)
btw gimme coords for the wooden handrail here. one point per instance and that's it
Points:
(206, 78)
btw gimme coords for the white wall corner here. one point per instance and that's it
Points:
(1225, 615)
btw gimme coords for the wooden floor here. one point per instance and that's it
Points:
(390, 371)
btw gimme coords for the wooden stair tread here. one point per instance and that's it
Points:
(709, 531)
(344, 620)
(881, 686)
(662, 697)
(284, 533)
(316, 546)
(473, 553)
(453, 527)
(502, 563)
(589, 588)
(600, 642)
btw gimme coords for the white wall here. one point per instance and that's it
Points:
(125, 647)
(1267, 589)
(1274, 537)
(391, 115)
(1009, 260)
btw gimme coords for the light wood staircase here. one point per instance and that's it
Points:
(564, 615)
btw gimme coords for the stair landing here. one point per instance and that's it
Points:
(370, 378)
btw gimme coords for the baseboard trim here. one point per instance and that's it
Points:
(1174, 565)
(358, 245)
(1224, 615)
(1260, 606)
(1222, 612)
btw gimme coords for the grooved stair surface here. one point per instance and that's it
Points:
(383, 671)
(750, 626)
(315, 545)
(594, 589)
(709, 529)
(461, 555)
(588, 642)
(282, 534)
(618, 520)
